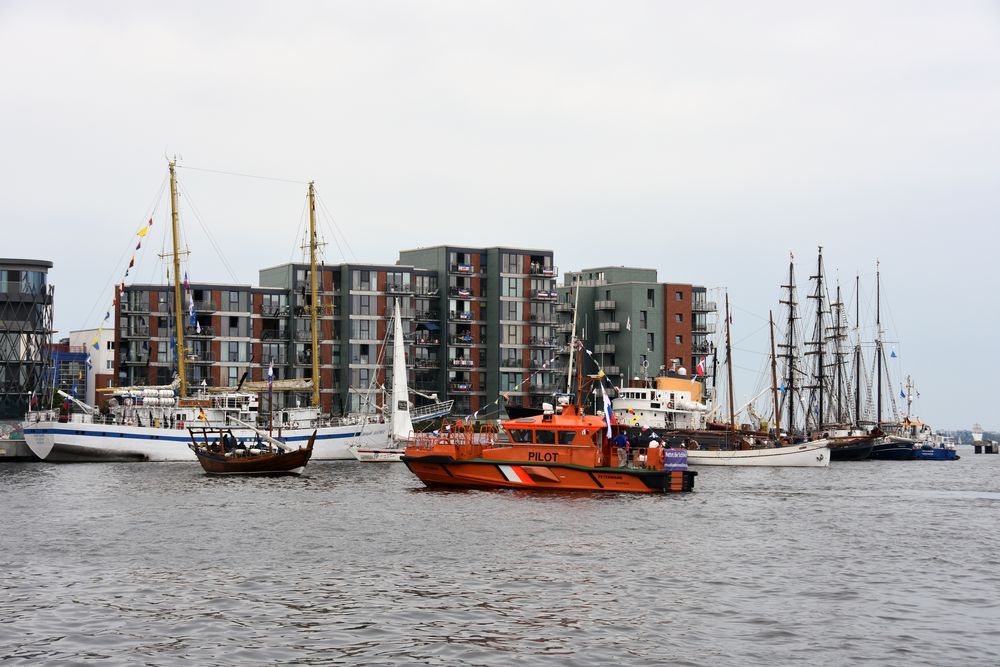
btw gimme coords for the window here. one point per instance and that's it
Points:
(649, 342)
(679, 340)
(511, 287)
(234, 301)
(643, 319)
(678, 296)
(510, 263)
(511, 310)
(234, 377)
(651, 298)
(679, 317)
(110, 365)
(111, 344)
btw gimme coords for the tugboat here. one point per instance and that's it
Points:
(559, 450)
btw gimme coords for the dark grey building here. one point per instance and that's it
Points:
(25, 332)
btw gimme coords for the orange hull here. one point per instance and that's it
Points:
(436, 470)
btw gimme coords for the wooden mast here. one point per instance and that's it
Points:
(878, 345)
(774, 379)
(315, 297)
(857, 351)
(729, 367)
(178, 300)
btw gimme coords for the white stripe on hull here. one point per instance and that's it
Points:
(76, 442)
(796, 456)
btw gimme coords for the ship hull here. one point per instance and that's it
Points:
(892, 449)
(443, 471)
(79, 442)
(289, 463)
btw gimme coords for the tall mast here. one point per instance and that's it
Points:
(315, 300)
(572, 339)
(729, 368)
(857, 350)
(817, 344)
(178, 301)
(789, 345)
(878, 343)
(774, 379)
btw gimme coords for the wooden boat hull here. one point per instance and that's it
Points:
(806, 455)
(289, 463)
(446, 471)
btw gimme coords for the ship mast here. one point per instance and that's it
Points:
(313, 310)
(572, 339)
(774, 379)
(178, 301)
(878, 344)
(729, 367)
(857, 351)
(789, 345)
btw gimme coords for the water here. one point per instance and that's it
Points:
(862, 563)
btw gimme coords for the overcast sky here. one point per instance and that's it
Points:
(707, 140)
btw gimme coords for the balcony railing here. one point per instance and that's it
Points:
(542, 318)
(537, 341)
(204, 304)
(427, 315)
(141, 307)
(537, 269)
(193, 332)
(274, 311)
(461, 292)
(136, 360)
(135, 332)
(462, 362)
(460, 387)
(605, 304)
(609, 326)
(463, 340)
(612, 370)
(564, 307)
(547, 388)
(398, 288)
(563, 327)
(201, 358)
(271, 334)
(427, 363)
(428, 340)
(462, 315)
(463, 269)
(704, 307)
(544, 295)
(604, 348)
(706, 328)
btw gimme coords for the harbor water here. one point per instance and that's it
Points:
(888, 563)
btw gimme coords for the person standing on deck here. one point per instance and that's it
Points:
(621, 443)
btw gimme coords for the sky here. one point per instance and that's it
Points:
(710, 140)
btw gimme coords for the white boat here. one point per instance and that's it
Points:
(392, 447)
(152, 428)
(148, 423)
(815, 454)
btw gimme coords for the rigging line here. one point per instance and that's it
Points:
(236, 173)
(208, 233)
(151, 211)
(300, 232)
(336, 227)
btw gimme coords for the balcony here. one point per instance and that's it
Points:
(606, 304)
(270, 334)
(542, 318)
(427, 340)
(463, 269)
(604, 348)
(304, 336)
(537, 341)
(537, 269)
(537, 365)
(460, 387)
(135, 332)
(193, 332)
(424, 364)
(563, 307)
(136, 360)
(462, 362)
(427, 315)
(706, 328)
(611, 370)
(544, 295)
(141, 307)
(273, 311)
(205, 305)
(704, 306)
(200, 358)
(398, 288)
(463, 340)
(609, 326)
(461, 292)
(563, 327)
(464, 315)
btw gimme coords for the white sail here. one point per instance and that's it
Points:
(402, 427)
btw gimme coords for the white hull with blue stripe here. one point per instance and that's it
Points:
(66, 442)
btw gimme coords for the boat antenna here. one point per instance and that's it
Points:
(178, 303)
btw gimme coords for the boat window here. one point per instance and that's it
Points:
(566, 437)
(519, 434)
(655, 406)
(545, 437)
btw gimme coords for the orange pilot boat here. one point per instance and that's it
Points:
(559, 450)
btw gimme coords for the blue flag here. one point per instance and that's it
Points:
(901, 394)
(893, 353)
